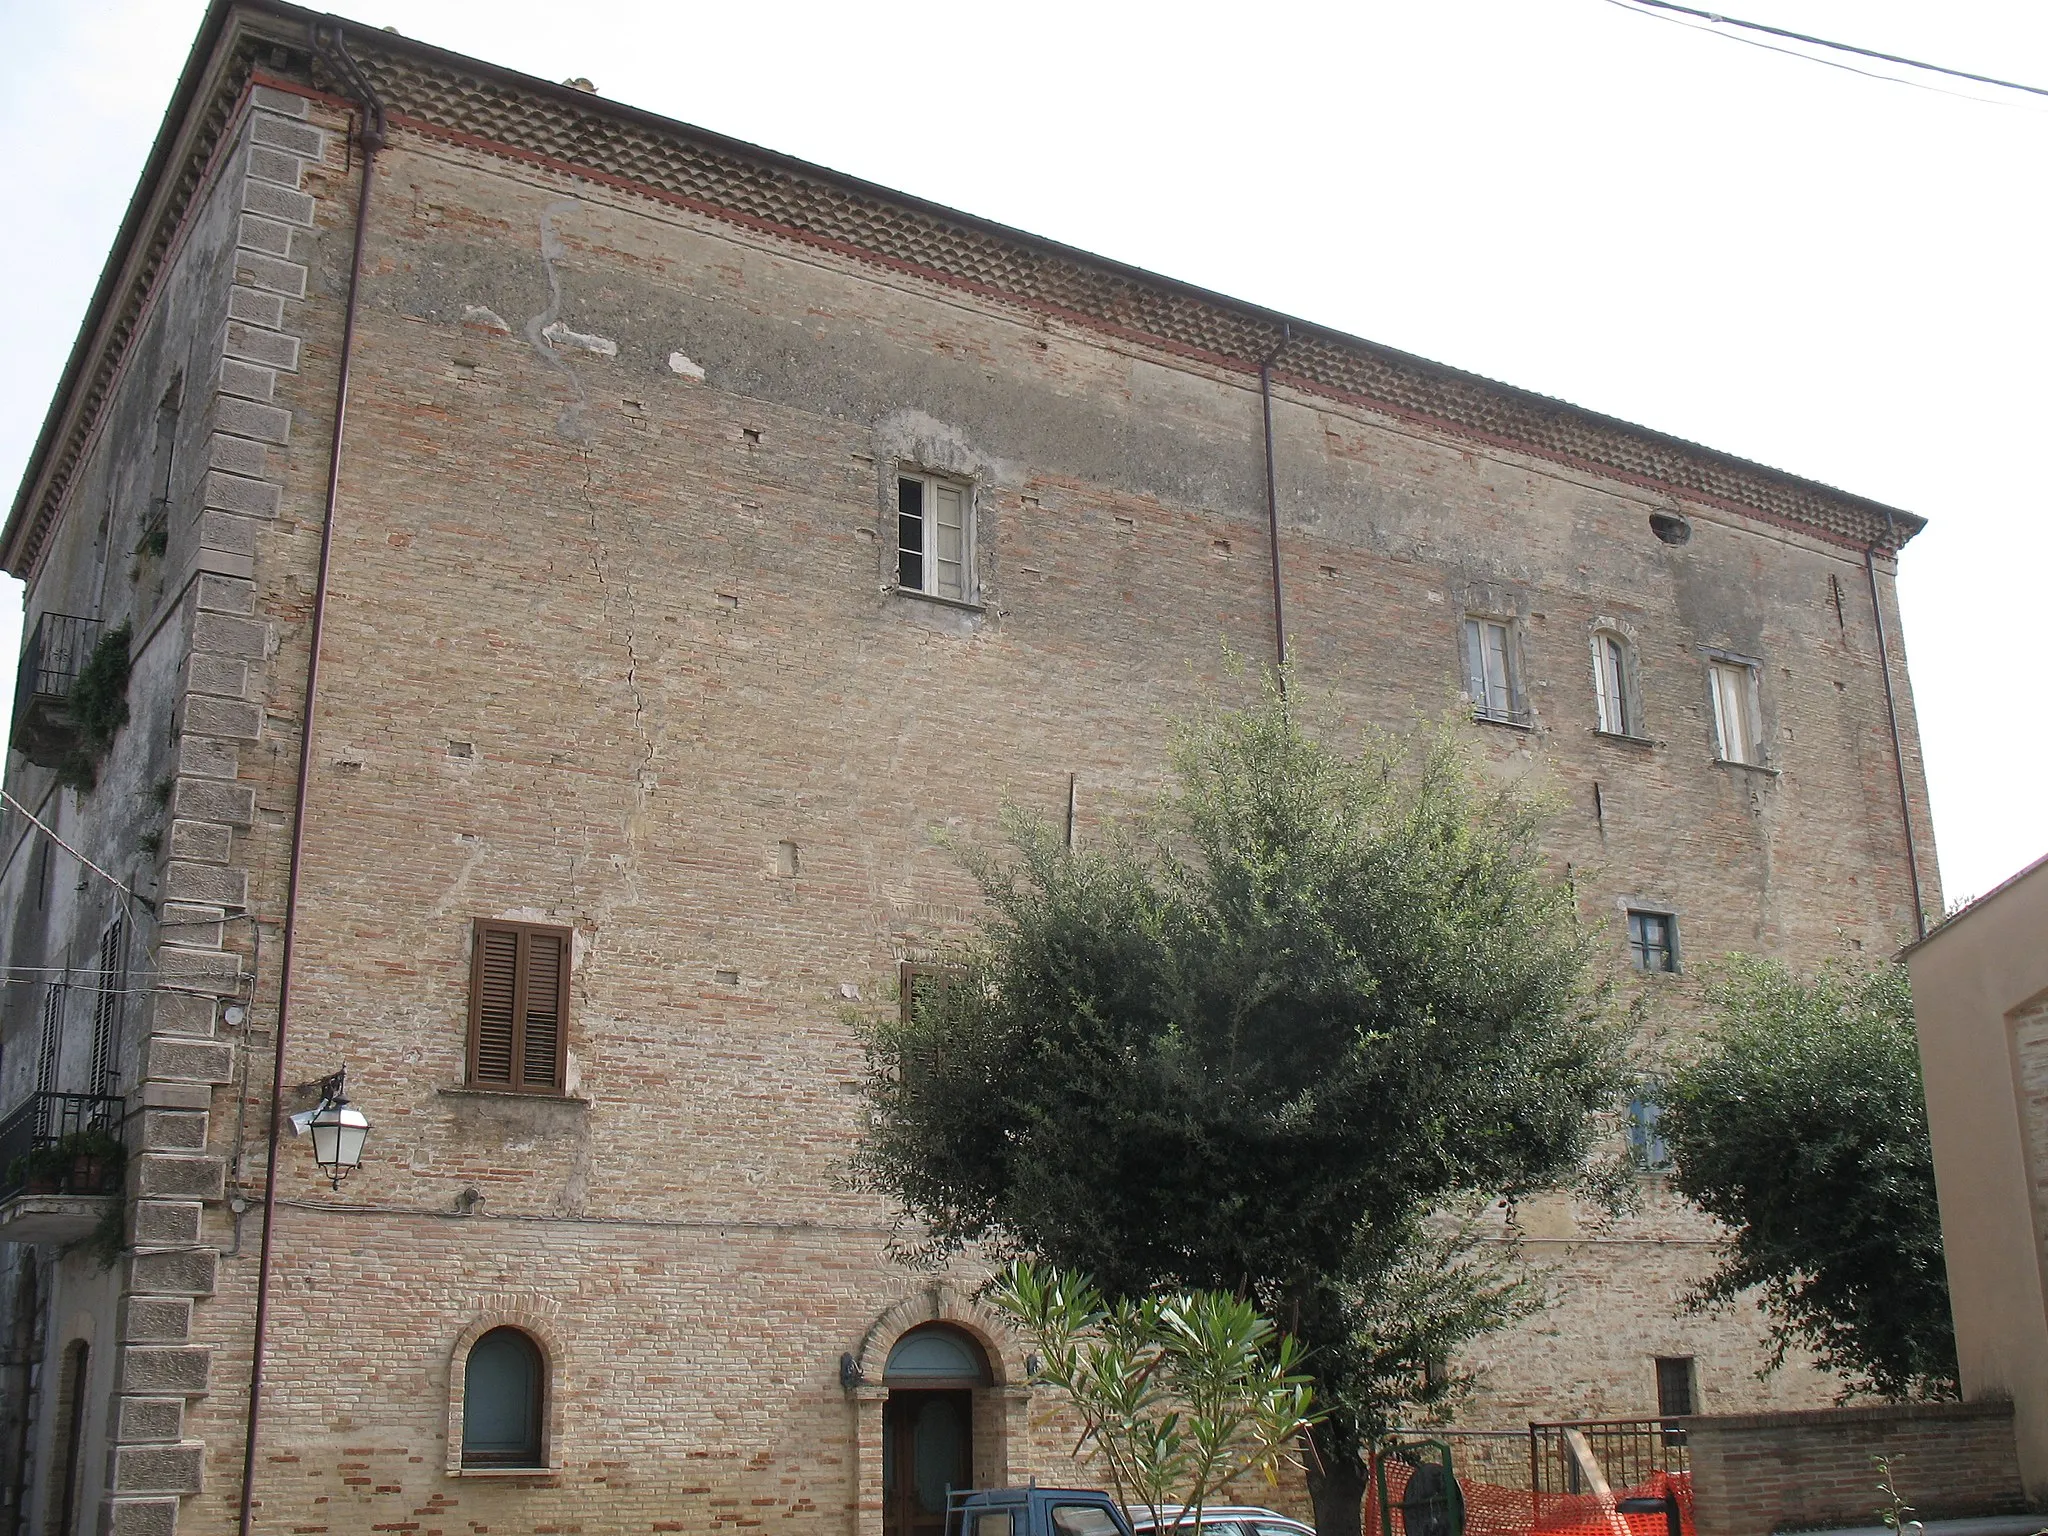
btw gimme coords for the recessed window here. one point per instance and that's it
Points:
(1493, 674)
(1613, 684)
(519, 1006)
(1675, 1396)
(934, 537)
(1737, 738)
(504, 1392)
(1646, 1145)
(1670, 527)
(1653, 940)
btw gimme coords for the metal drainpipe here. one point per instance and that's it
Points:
(329, 44)
(1891, 704)
(1273, 499)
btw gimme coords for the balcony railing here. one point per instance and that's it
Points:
(62, 1144)
(57, 650)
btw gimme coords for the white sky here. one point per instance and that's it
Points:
(1833, 274)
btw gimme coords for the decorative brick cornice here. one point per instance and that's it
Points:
(447, 95)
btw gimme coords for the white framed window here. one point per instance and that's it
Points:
(1613, 680)
(1737, 736)
(935, 536)
(1493, 673)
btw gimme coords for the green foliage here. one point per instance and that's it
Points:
(1253, 1042)
(99, 707)
(1803, 1126)
(1894, 1510)
(1176, 1394)
(57, 1159)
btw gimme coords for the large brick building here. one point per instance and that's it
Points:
(707, 535)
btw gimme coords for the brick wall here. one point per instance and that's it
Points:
(1758, 1473)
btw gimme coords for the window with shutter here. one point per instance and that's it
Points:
(519, 1006)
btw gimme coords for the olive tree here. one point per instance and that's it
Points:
(1254, 1042)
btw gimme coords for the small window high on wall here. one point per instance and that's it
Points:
(1613, 685)
(504, 1395)
(519, 1006)
(934, 537)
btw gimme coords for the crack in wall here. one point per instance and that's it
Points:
(643, 773)
(570, 424)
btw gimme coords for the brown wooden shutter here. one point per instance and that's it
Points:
(519, 1006)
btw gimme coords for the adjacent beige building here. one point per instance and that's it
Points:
(1980, 999)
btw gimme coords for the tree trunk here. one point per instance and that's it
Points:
(1337, 1484)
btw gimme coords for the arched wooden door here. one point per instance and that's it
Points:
(928, 1427)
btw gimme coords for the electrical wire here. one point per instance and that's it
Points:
(1634, 8)
(1820, 42)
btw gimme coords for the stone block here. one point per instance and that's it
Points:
(273, 273)
(158, 1468)
(174, 1272)
(221, 635)
(181, 1013)
(266, 237)
(238, 455)
(225, 594)
(249, 418)
(274, 349)
(173, 1130)
(189, 1061)
(267, 98)
(211, 800)
(206, 842)
(275, 165)
(204, 757)
(170, 1175)
(206, 882)
(236, 719)
(276, 202)
(180, 1368)
(144, 1419)
(178, 1095)
(252, 381)
(142, 1517)
(229, 534)
(156, 1320)
(220, 675)
(240, 494)
(166, 1223)
(256, 306)
(297, 138)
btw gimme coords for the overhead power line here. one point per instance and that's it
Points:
(1821, 42)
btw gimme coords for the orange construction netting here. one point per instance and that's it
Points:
(1491, 1510)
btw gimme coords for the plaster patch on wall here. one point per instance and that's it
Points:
(678, 363)
(561, 338)
(484, 319)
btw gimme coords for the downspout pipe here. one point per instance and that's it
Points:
(332, 49)
(1891, 704)
(1273, 499)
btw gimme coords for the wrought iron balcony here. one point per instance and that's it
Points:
(57, 649)
(61, 1157)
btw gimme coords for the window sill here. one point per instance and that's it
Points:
(1729, 762)
(1512, 722)
(544, 1477)
(912, 593)
(465, 1091)
(1640, 743)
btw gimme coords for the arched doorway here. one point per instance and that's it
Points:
(928, 1426)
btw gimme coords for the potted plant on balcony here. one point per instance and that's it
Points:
(79, 1163)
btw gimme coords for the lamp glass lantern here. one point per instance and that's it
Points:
(338, 1130)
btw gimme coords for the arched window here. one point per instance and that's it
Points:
(1614, 684)
(504, 1391)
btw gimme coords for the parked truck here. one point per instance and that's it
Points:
(1034, 1512)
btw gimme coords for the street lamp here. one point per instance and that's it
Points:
(338, 1130)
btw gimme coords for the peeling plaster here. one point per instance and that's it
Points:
(678, 363)
(561, 338)
(484, 319)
